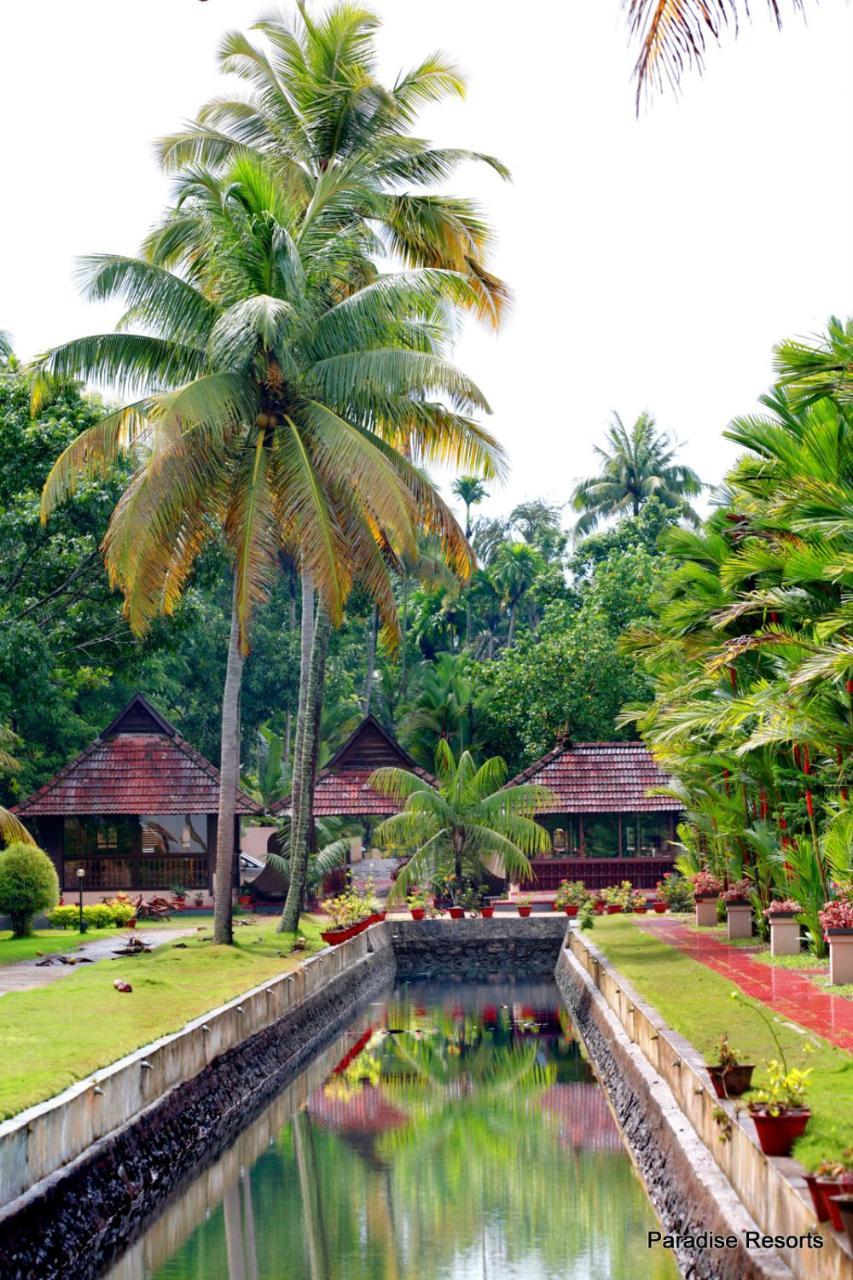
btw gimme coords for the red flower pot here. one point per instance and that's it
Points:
(418, 913)
(731, 1082)
(456, 913)
(524, 911)
(487, 913)
(571, 910)
(336, 936)
(613, 909)
(380, 916)
(131, 924)
(660, 907)
(599, 908)
(821, 1211)
(843, 1206)
(640, 911)
(827, 1189)
(777, 1134)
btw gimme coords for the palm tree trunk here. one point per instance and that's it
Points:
(229, 778)
(298, 774)
(511, 630)
(371, 661)
(308, 743)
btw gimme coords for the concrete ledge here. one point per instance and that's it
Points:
(44, 1138)
(771, 1190)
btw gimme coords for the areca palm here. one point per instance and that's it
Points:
(342, 140)
(636, 464)
(273, 378)
(470, 822)
(513, 571)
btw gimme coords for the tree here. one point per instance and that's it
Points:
(471, 491)
(28, 884)
(470, 823)
(269, 381)
(443, 706)
(636, 465)
(342, 140)
(513, 571)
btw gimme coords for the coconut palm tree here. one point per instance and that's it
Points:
(470, 823)
(636, 464)
(12, 830)
(471, 491)
(270, 384)
(513, 571)
(317, 108)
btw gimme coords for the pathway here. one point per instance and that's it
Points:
(28, 974)
(788, 991)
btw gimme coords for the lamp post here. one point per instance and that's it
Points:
(81, 872)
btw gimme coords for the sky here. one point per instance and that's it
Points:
(654, 260)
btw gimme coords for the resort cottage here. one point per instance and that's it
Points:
(137, 811)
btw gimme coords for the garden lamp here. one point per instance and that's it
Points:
(81, 872)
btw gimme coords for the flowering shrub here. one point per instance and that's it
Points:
(351, 907)
(706, 885)
(571, 893)
(676, 891)
(738, 891)
(784, 907)
(837, 914)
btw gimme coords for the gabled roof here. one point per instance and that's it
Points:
(341, 788)
(600, 777)
(139, 764)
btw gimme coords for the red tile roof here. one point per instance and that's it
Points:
(341, 788)
(600, 777)
(139, 764)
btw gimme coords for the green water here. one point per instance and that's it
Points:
(452, 1133)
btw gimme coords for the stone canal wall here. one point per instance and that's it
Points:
(89, 1166)
(669, 1116)
(468, 950)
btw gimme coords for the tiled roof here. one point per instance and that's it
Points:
(341, 788)
(149, 770)
(600, 777)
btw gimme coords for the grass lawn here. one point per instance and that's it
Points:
(696, 1002)
(51, 941)
(53, 1036)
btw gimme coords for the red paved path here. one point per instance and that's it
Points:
(785, 990)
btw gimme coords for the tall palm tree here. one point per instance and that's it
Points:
(318, 109)
(272, 380)
(636, 465)
(443, 707)
(513, 571)
(470, 823)
(471, 490)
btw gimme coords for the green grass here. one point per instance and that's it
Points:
(55, 1035)
(52, 941)
(696, 1002)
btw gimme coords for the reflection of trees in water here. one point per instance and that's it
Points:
(462, 1142)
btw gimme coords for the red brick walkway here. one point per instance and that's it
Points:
(787, 991)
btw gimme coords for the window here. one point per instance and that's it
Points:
(601, 835)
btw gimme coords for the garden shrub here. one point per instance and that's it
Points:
(28, 884)
(64, 917)
(98, 915)
(121, 909)
(676, 891)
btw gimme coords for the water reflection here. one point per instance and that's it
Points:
(458, 1134)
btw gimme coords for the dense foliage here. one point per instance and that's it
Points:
(28, 885)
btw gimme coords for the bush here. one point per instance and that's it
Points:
(28, 884)
(63, 917)
(676, 891)
(121, 909)
(98, 915)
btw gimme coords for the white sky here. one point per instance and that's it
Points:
(654, 261)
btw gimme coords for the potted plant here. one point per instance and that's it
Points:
(571, 896)
(729, 1076)
(738, 909)
(633, 899)
(676, 892)
(487, 911)
(612, 898)
(843, 1206)
(342, 913)
(524, 906)
(836, 920)
(179, 896)
(779, 1110)
(417, 904)
(199, 900)
(706, 892)
(832, 1179)
(784, 927)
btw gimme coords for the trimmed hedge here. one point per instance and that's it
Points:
(28, 885)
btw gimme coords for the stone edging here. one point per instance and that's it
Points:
(771, 1190)
(40, 1141)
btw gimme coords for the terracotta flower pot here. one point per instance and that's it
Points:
(777, 1134)
(660, 908)
(821, 1211)
(571, 910)
(418, 913)
(487, 913)
(843, 1206)
(131, 924)
(456, 913)
(829, 1190)
(524, 911)
(613, 909)
(731, 1082)
(336, 936)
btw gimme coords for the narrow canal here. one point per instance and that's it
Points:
(451, 1133)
